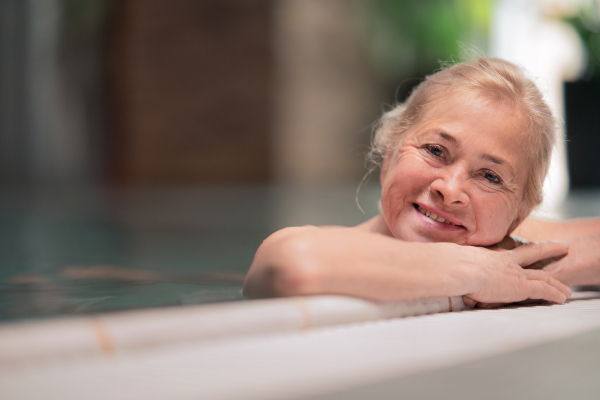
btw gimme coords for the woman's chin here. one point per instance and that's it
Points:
(428, 237)
(426, 232)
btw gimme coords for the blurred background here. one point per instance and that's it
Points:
(147, 147)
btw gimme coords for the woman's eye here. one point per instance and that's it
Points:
(435, 150)
(490, 176)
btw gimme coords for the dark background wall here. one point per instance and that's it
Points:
(190, 86)
(583, 132)
(231, 91)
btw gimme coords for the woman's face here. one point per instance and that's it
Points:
(458, 175)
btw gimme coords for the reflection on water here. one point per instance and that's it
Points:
(91, 289)
(88, 250)
(39, 295)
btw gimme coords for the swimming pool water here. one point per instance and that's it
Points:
(68, 251)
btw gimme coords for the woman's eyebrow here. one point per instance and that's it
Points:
(499, 161)
(448, 137)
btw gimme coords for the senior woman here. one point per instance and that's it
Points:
(462, 162)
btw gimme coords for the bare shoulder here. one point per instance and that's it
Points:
(536, 229)
(285, 232)
(303, 259)
(288, 232)
(299, 233)
(375, 225)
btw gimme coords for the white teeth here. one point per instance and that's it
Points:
(433, 216)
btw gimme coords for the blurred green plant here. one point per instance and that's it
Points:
(587, 24)
(409, 38)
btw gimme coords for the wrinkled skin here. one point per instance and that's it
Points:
(465, 162)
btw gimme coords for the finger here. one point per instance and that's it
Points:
(532, 252)
(542, 263)
(544, 291)
(560, 273)
(561, 286)
(554, 267)
(539, 275)
(469, 302)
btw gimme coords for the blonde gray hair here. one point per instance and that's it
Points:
(490, 78)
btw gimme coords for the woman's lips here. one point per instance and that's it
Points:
(435, 217)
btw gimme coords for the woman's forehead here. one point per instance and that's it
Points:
(454, 109)
(455, 100)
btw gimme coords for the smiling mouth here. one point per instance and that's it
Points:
(433, 216)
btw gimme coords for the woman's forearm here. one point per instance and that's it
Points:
(534, 229)
(348, 261)
(351, 262)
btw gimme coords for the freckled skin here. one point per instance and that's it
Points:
(461, 178)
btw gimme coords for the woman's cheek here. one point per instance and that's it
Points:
(493, 221)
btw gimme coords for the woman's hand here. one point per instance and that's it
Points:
(502, 278)
(581, 266)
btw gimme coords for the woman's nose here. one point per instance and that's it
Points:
(450, 186)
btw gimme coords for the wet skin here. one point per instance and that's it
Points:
(464, 162)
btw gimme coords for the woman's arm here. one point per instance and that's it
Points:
(581, 266)
(350, 261)
(536, 230)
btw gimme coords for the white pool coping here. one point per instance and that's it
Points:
(317, 346)
(31, 342)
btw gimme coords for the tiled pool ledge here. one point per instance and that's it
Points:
(26, 343)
